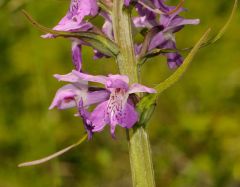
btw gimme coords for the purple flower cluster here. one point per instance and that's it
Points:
(165, 25)
(112, 101)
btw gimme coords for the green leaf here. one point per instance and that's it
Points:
(147, 103)
(45, 159)
(146, 108)
(224, 28)
(180, 71)
(97, 41)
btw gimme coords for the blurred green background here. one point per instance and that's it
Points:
(195, 131)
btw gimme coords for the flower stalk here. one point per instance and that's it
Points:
(139, 146)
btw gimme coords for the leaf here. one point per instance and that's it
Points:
(146, 102)
(40, 161)
(97, 41)
(146, 108)
(180, 71)
(224, 28)
(146, 105)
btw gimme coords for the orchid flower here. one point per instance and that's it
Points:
(74, 21)
(168, 24)
(78, 90)
(114, 105)
(118, 109)
(165, 39)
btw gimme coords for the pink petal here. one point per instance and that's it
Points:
(99, 118)
(77, 55)
(129, 116)
(117, 81)
(70, 25)
(64, 97)
(90, 78)
(71, 77)
(97, 97)
(123, 78)
(134, 88)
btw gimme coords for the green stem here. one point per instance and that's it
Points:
(140, 158)
(122, 27)
(139, 147)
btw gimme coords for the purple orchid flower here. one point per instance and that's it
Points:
(114, 105)
(168, 25)
(150, 10)
(165, 39)
(78, 94)
(74, 21)
(71, 94)
(118, 109)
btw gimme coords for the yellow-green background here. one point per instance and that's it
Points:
(194, 133)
